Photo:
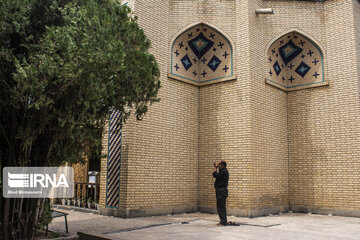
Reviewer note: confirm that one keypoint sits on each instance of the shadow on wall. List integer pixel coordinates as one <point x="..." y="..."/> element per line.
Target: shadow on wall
<point x="307" y="158"/>
<point x="209" y="142"/>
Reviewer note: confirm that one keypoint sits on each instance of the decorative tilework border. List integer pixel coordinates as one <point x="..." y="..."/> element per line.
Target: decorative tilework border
<point x="113" y="161"/>
<point x="187" y="27"/>
<point x="201" y="83"/>
<point x="295" y="88"/>
<point x="296" y="30"/>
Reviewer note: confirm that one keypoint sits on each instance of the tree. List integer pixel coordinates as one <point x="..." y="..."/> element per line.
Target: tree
<point x="63" y="65"/>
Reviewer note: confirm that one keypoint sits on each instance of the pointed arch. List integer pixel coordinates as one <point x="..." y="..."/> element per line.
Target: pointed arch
<point x="201" y="55"/>
<point x="295" y="61"/>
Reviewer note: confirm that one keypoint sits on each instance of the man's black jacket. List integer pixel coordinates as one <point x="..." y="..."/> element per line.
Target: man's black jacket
<point x="222" y="178"/>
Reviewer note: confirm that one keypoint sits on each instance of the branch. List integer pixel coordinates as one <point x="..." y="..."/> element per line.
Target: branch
<point x="4" y="133"/>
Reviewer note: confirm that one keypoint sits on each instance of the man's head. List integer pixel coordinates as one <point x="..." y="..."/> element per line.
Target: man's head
<point x="222" y="164"/>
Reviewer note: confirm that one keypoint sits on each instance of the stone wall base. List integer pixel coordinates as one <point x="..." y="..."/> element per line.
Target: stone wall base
<point x="325" y="211"/>
<point x="247" y="213"/>
<point x="130" y="213"/>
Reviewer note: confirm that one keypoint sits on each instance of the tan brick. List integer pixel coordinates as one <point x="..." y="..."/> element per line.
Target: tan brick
<point x="299" y="148"/>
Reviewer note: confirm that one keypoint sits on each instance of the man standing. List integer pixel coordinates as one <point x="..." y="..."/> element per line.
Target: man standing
<point x="221" y="184"/>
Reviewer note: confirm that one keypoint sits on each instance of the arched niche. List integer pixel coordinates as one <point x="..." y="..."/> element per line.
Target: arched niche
<point x="295" y="62"/>
<point x="201" y="55"/>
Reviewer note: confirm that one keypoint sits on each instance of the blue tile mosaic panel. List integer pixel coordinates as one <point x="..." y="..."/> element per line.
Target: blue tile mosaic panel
<point x="294" y="61"/>
<point x="201" y="55"/>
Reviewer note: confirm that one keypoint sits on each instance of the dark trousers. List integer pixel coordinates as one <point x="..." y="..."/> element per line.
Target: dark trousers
<point x="221" y="195"/>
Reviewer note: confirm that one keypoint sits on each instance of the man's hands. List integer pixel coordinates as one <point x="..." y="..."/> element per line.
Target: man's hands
<point x="215" y="166"/>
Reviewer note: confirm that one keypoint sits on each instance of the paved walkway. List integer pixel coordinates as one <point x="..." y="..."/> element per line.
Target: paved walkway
<point x="192" y="226"/>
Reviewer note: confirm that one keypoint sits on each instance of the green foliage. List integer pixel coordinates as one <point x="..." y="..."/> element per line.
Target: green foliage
<point x="63" y="65"/>
<point x="45" y="217"/>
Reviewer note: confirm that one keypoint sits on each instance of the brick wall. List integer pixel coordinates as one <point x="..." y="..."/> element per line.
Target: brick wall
<point x="308" y="19"/>
<point x="324" y="124"/>
<point x="298" y="149"/>
<point x="237" y="122"/>
<point x="220" y="116"/>
<point x="103" y="167"/>
<point x="269" y="149"/>
<point x="160" y="152"/>
<point x="356" y="11"/>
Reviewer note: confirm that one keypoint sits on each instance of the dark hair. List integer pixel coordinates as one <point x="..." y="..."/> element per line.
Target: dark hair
<point x="223" y="163"/>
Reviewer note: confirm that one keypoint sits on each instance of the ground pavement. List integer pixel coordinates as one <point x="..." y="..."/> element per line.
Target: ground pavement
<point x="289" y="226"/>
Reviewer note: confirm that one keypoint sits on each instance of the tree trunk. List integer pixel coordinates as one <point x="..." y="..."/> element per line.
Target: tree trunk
<point x="5" y="221"/>
<point x="23" y="224"/>
<point x="35" y="218"/>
